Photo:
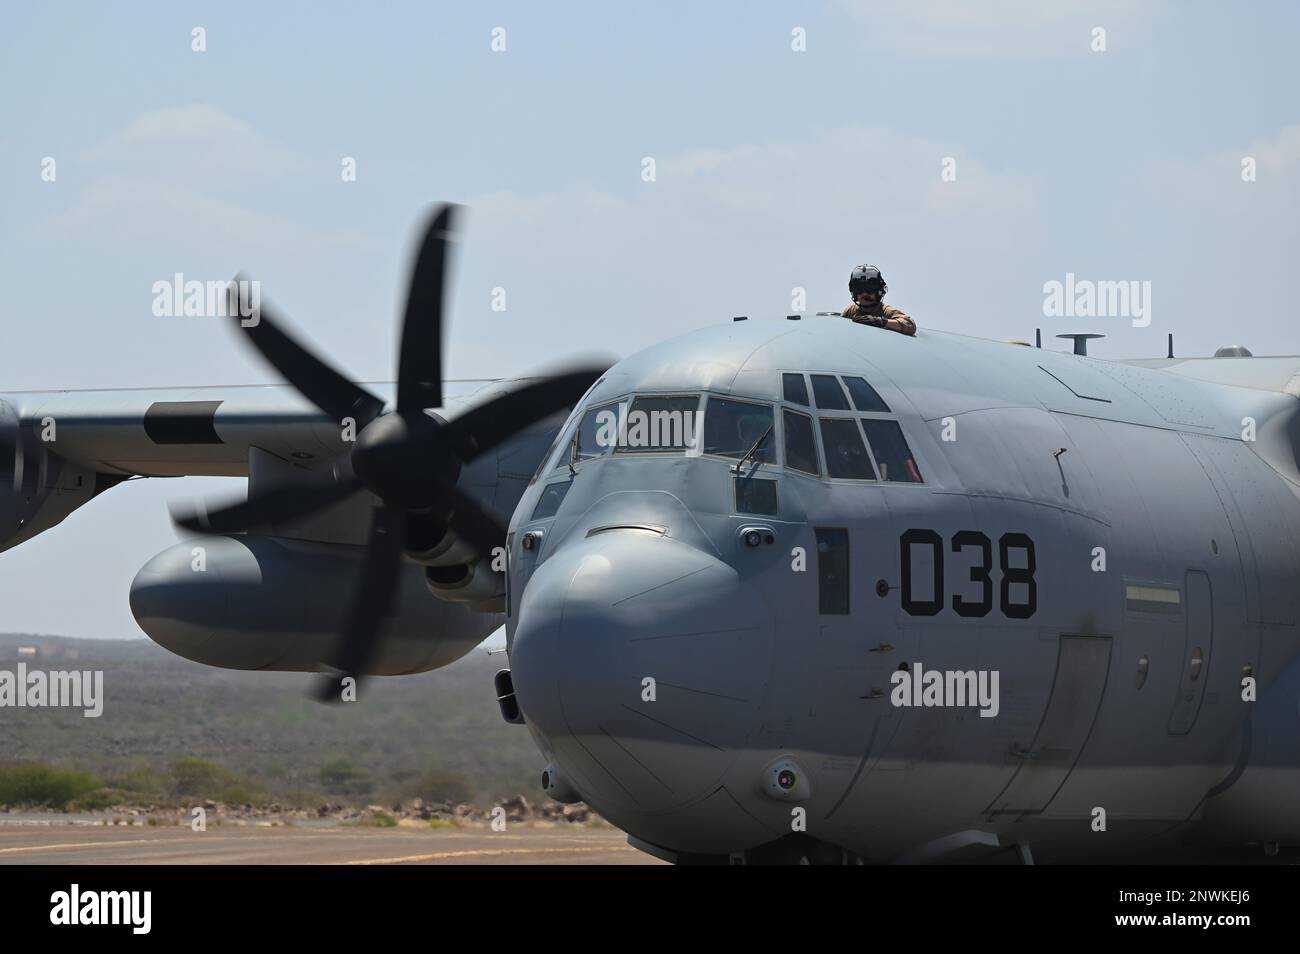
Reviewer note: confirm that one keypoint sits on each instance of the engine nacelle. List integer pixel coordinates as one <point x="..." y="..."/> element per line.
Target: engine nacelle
<point x="37" y="488"/>
<point x="252" y="602"/>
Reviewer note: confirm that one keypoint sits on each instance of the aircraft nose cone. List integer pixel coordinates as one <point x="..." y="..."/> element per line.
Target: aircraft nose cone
<point x="643" y="663"/>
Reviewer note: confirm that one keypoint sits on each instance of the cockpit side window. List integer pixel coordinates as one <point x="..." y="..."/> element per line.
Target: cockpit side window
<point x="734" y="428"/>
<point x="563" y="436"/>
<point x="800" y="446"/>
<point x="864" y="395"/>
<point x="596" y="433"/>
<point x="552" y="456"/>
<point x="846" y="454"/>
<point x="829" y="394"/>
<point x="893" y="456"/>
<point x="552" y="496"/>
<point x="794" y="388"/>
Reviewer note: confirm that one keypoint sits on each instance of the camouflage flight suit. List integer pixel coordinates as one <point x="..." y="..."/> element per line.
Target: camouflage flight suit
<point x="878" y="314"/>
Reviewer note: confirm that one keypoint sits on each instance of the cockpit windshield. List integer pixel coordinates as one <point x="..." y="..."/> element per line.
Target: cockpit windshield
<point x="648" y="424"/>
<point x="660" y="424"/>
<point x="737" y="428"/>
<point x="848" y="432"/>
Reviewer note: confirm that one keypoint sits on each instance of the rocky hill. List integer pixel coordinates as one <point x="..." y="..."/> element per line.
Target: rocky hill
<point x="172" y="729"/>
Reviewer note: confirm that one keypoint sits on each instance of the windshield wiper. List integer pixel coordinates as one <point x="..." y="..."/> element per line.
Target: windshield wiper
<point x="754" y="450"/>
<point x="573" y="451"/>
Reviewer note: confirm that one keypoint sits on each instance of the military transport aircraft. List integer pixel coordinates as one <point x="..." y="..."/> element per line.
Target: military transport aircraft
<point x="777" y="590"/>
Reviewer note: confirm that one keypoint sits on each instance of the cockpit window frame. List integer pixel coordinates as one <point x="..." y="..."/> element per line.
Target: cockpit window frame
<point x="872" y="395"/>
<point x="882" y="473"/>
<point x="778" y="446"/>
<point x="778" y="407"/>
<point x="871" y="458"/>
<point x="813" y="377"/>
<point x="802" y="381"/>
<point x="564" y="434"/>
<point x="596" y="409"/>
<point x="819" y="414"/>
<point x="814" y="429"/>
<point x="687" y="451"/>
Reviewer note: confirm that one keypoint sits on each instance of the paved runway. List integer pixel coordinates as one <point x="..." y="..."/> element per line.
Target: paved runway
<point x="77" y="844"/>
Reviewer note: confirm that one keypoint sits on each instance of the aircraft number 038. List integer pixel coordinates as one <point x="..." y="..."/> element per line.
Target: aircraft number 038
<point x="979" y="573"/>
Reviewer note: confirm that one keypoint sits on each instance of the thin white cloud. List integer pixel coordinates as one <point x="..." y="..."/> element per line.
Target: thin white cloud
<point x="1002" y="28"/>
<point x="1215" y="182"/>
<point x="195" y="123"/>
<point x="143" y="186"/>
<point x="849" y="174"/>
<point x="183" y="137"/>
<point x="144" y="209"/>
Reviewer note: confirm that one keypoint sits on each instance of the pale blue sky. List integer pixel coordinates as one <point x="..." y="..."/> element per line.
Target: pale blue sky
<point x="776" y="169"/>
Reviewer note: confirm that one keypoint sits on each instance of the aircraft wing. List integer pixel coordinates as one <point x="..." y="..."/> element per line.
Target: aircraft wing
<point x="59" y="449"/>
<point x="205" y="431"/>
<point x="1280" y="373"/>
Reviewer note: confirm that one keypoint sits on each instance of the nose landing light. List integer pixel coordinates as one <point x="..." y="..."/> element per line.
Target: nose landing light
<point x="785" y="780"/>
<point x="757" y="536"/>
<point x="557" y="786"/>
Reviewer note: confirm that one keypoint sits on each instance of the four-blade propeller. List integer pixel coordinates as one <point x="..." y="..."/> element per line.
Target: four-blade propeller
<point x="407" y="458"/>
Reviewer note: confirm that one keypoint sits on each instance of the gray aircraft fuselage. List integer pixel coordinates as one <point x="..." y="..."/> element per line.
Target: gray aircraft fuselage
<point x="1118" y="544"/>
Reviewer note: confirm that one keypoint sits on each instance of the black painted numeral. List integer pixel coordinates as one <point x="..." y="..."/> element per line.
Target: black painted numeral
<point x="913" y="606"/>
<point x="1011" y="574"/>
<point x="978" y="574"/>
